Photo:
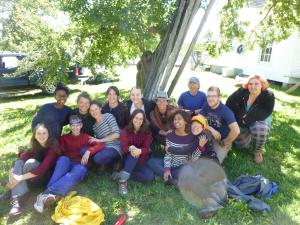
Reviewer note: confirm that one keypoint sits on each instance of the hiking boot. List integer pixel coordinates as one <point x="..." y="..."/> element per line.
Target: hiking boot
<point x="123" y="187"/>
<point x="15" y="207"/>
<point x="258" y="156"/>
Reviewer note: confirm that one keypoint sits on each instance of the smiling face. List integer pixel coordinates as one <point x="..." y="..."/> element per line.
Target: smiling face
<point x="196" y="128"/>
<point x="136" y="96"/>
<point x="61" y="97"/>
<point x="112" y="97"/>
<point x="213" y="99"/>
<point x="41" y="135"/>
<point x="179" y="122"/>
<point x="193" y="88"/>
<point x="138" y="121"/>
<point x="162" y="105"/>
<point x="95" y="111"/>
<point x="254" y="86"/>
<point x="75" y="128"/>
<point x="83" y="105"/>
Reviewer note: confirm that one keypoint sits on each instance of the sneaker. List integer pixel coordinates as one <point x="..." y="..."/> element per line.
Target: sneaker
<point x="15" y="207"/>
<point x="50" y="200"/>
<point x="44" y="200"/>
<point x="123" y="187"/>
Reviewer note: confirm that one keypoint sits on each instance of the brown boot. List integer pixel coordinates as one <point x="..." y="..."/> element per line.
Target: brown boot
<point x="258" y="156"/>
<point x="15" y="207"/>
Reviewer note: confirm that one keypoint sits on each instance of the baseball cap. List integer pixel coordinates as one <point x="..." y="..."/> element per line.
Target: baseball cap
<point x="194" y="80"/>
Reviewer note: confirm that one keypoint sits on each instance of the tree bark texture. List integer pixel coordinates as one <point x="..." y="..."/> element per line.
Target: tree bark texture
<point x="191" y="46"/>
<point x="165" y="55"/>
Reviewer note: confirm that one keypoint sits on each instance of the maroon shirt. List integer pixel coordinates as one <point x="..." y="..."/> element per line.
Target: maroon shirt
<point x="139" y="140"/>
<point x="47" y="163"/>
<point x="72" y="144"/>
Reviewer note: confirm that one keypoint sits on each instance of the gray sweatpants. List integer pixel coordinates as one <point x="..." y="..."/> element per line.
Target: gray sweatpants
<point x="221" y="151"/>
<point x="23" y="167"/>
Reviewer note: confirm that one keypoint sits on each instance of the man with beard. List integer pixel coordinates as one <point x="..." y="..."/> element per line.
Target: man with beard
<point x="221" y="123"/>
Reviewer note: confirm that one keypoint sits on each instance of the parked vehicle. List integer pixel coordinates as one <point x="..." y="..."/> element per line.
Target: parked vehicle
<point x="9" y="62"/>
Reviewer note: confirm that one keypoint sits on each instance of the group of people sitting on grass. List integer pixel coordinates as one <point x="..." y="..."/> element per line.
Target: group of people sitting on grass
<point x="128" y="136"/>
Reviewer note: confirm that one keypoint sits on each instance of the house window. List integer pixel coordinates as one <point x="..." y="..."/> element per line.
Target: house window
<point x="266" y="54"/>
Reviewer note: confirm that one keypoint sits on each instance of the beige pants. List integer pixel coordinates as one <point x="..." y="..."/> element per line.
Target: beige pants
<point x="221" y="151"/>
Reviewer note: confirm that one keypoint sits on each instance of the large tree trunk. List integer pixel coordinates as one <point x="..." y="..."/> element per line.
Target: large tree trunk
<point x="167" y="51"/>
<point x="191" y="46"/>
<point x="143" y="68"/>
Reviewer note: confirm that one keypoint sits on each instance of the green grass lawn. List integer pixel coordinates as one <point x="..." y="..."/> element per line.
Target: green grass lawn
<point x="158" y="204"/>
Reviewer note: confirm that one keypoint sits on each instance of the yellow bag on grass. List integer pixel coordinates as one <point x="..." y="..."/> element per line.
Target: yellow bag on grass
<point x="77" y="210"/>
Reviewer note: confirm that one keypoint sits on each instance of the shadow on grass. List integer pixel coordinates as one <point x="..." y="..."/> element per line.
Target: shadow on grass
<point x="278" y="88"/>
<point x="281" y="164"/>
<point x="19" y="117"/>
<point x="30" y="96"/>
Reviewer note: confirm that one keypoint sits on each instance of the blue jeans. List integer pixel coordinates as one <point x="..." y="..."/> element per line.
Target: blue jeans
<point x="157" y="166"/>
<point x="106" y="156"/>
<point x="65" y="176"/>
<point x="137" y="172"/>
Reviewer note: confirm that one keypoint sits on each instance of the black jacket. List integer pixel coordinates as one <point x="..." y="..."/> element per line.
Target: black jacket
<point x="120" y="113"/>
<point x="261" y="108"/>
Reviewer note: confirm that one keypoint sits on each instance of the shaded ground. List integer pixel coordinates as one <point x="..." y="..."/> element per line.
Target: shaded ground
<point x="155" y="203"/>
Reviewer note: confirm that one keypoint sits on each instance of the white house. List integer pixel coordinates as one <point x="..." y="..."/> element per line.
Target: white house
<point x="278" y="62"/>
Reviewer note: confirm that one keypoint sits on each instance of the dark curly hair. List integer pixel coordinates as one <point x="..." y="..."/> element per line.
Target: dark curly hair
<point x="186" y="117"/>
<point x="61" y="87"/>
<point x="145" y="125"/>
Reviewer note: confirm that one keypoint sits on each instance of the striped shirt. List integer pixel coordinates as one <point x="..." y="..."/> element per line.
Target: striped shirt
<point x="173" y="140"/>
<point x="106" y="127"/>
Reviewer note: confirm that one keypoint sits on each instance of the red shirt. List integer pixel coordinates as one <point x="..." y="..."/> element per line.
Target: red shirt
<point x="139" y="140"/>
<point x="47" y="163"/>
<point x="72" y="144"/>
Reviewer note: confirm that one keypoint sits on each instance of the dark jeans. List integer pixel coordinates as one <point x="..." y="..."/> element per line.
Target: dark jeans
<point x="141" y="173"/>
<point x="106" y="156"/>
<point x="157" y="166"/>
<point x="65" y="176"/>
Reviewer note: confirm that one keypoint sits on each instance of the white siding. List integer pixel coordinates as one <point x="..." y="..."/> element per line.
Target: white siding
<point x="295" y="68"/>
<point x="285" y="60"/>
